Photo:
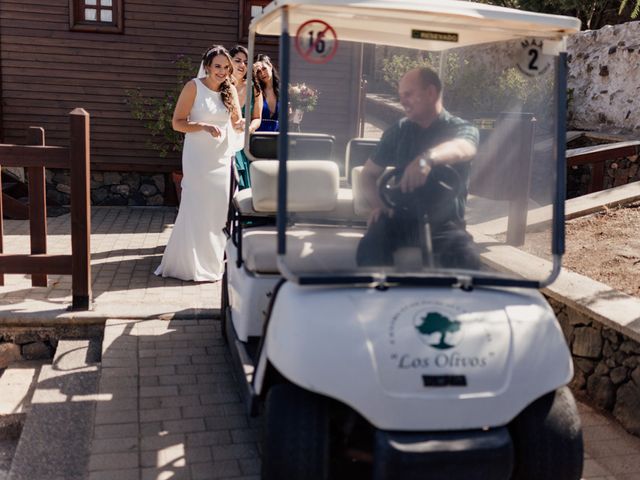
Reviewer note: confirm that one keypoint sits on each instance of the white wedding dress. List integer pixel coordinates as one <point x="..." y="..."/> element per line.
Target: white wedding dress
<point x="196" y="247"/>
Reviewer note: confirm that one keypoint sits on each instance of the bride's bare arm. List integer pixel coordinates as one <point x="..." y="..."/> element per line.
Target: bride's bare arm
<point x="180" y="121"/>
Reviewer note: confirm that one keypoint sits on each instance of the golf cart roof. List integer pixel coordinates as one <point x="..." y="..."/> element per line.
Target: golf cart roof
<point x="395" y="22"/>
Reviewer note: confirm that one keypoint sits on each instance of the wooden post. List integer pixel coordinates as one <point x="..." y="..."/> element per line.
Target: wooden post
<point x="37" y="205"/>
<point x="80" y="210"/>
<point x="1" y="227"/>
<point x="597" y="177"/>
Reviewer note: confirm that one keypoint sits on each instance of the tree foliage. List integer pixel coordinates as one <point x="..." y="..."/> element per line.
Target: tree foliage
<point x="593" y="13"/>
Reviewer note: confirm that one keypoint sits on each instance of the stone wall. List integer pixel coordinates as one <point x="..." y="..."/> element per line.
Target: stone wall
<point x="604" y="68"/>
<point x="607" y="365"/>
<point x="19" y="343"/>
<point x="25" y="346"/>
<point x="110" y="188"/>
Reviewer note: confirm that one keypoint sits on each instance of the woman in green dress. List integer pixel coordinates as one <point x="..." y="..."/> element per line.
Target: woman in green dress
<point x="240" y="59"/>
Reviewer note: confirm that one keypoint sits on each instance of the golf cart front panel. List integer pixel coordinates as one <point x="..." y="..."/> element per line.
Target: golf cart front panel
<point x="471" y="358"/>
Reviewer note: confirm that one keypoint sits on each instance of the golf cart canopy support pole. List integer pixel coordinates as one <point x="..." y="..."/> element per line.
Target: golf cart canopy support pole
<point x="283" y="137"/>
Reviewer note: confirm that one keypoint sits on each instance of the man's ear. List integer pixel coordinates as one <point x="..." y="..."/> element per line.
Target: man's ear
<point x="432" y="92"/>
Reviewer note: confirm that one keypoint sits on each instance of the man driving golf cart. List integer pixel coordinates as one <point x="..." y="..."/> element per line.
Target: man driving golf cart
<point x="431" y="151"/>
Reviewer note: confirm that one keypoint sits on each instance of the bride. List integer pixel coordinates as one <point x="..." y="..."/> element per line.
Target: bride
<point x="208" y="112"/>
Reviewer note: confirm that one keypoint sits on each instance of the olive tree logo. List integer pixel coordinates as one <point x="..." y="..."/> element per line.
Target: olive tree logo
<point x="438" y="331"/>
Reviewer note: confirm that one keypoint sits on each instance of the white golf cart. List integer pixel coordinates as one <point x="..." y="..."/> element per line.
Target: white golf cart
<point x="427" y="365"/>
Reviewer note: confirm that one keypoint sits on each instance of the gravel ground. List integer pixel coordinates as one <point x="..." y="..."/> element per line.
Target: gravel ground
<point x="604" y="246"/>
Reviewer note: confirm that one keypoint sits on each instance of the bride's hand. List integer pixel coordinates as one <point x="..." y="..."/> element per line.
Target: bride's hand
<point x="212" y="129"/>
<point x="238" y="126"/>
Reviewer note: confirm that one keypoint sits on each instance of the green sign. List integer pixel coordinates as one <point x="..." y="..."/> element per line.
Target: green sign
<point x="435" y="36"/>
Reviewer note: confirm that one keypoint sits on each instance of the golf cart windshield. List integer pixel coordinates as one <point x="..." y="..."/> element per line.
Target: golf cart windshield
<point x="421" y="140"/>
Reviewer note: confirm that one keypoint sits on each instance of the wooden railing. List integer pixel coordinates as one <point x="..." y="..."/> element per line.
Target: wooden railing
<point x="597" y="156"/>
<point x="35" y="157"/>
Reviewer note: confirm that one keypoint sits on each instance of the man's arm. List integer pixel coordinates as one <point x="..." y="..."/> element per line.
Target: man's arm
<point x="369" y="178"/>
<point x="448" y="153"/>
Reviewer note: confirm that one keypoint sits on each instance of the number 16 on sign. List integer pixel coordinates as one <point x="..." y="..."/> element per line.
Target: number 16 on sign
<point x="316" y="41"/>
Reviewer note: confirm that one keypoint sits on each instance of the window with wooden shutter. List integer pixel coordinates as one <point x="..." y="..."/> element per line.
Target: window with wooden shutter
<point x="248" y="10"/>
<point x="96" y="15"/>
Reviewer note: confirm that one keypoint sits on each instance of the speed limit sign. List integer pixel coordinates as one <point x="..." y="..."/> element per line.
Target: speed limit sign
<point x="316" y="41"/>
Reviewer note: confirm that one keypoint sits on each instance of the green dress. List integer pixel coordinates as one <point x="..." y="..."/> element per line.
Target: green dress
<point x="242" y="163"/>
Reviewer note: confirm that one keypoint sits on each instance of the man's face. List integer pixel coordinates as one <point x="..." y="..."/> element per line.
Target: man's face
<point x="418" y="101"/>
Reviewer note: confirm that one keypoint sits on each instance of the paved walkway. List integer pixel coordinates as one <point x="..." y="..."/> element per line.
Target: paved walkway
<point x="126" y="246"/>
<point x="170" y="409"/>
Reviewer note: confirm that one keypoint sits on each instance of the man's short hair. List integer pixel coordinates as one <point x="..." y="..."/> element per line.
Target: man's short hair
<point x="430" y="77"/>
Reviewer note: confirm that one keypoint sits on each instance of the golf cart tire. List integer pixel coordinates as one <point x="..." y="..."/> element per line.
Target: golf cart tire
<point x="296" y="435"/>
<point x="547" y="437"/>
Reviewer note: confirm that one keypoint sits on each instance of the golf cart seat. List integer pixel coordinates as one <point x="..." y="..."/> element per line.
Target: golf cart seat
<point x="359" y="150"/>
<point x="263" y="173"/>
<point x="309" y="249"/>
<point x="312" y="189"/>
<point x="343" y="211"/>
<point x="302" y="146"/>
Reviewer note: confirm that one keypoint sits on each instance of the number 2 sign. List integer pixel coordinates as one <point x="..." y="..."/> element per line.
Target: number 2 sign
<point x="316" y="41"/>
<point x="532" y="61"/>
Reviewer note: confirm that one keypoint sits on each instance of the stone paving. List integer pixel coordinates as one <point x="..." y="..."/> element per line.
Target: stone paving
<point x="126" y="247"/>
<point x="169" y="407"/>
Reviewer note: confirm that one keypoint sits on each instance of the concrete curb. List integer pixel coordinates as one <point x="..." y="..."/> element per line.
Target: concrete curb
<point x="63" y="317"/>
<point x="56" y="438"/>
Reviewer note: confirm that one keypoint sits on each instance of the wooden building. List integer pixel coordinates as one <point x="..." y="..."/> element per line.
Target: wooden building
<point x="56" y="55"/>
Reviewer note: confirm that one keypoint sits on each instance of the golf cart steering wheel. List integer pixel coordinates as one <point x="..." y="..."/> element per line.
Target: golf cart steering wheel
<point x="443" y="183"/>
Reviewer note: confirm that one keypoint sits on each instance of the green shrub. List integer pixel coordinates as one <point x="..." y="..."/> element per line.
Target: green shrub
<point x="156" y="113"/>
<point x="395" y="67"/>
<point x="478" y="88"/>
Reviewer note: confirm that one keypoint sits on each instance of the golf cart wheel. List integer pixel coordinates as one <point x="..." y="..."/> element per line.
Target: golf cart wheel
<point x="296" y="435"/>
<point x="224" y="306"/>
<point x="547" y="438"/>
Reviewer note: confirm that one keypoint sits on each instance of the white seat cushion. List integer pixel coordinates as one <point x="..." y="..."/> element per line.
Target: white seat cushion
<point x="343" y="210"/>
<point x="360" y="203"/>
<point x="312" y="185"/>
<point x="309" y="249"/>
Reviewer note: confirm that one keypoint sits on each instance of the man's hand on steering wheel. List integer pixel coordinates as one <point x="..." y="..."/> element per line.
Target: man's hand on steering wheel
<point x="415" y="176"/>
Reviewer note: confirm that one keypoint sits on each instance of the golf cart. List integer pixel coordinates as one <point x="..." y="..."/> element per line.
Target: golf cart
<point x="425" y="366"/>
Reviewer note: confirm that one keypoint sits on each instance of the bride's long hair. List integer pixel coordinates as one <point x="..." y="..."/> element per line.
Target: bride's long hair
<point x="225" y="87"/>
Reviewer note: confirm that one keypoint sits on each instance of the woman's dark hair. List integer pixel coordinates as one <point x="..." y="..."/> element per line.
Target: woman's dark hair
<point x="256" y="85"/>
<point x="225" y="87"/>
<point x="261" y="57"/>
<point x="239" y="49"/>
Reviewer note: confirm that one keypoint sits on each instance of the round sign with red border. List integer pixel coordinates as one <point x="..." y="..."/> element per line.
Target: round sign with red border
<point x="316" y="41"/>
